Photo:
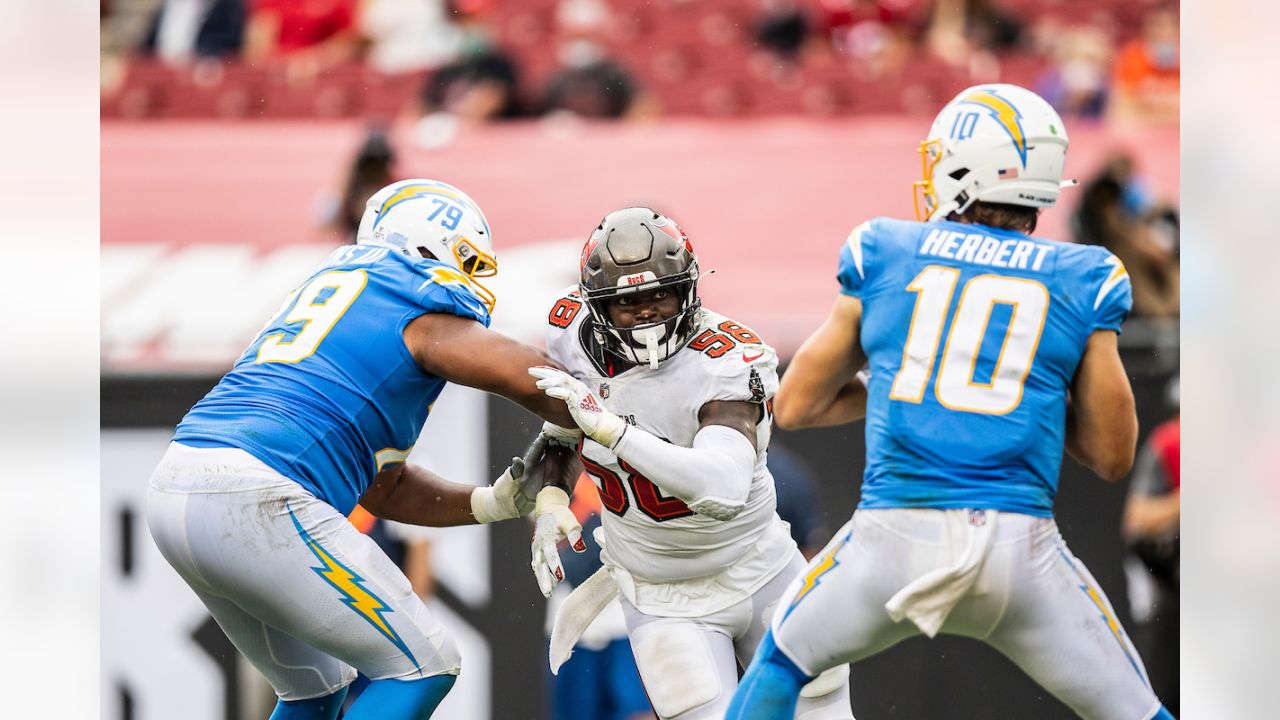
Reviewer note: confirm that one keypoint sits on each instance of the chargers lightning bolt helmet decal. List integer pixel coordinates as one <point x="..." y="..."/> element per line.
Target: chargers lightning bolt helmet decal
<point x="1005" y="114"/>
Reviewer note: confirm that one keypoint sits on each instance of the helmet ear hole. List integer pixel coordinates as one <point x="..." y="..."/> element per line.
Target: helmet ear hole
<point x="959" y="174"/>
<point x="424" y="252"/>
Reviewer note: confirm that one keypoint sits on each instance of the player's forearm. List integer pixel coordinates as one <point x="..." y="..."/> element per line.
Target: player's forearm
<point x="848" y="405"/>
<point x="420" y="497"/>
<point x="816" y="389"/>
<point x="1103" y="442"/>
<point x="713" y="477"/>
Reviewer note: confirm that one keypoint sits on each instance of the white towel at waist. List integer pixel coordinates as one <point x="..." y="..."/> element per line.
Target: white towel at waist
<point x="928" y="599"/>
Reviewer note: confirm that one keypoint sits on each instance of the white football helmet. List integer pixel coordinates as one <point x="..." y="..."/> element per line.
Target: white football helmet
<point x="421" y="216"/>
<point x="995" y="143"/>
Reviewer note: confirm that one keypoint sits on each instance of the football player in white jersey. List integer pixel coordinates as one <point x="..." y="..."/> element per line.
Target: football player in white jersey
<point x="672" y="401"/>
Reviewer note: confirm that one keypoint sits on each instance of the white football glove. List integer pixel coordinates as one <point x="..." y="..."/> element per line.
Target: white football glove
<point x="597" y="423"/>
<point x="512" y="495"/>
<point x="554" y="521"/>
<point x="565" y="437"/>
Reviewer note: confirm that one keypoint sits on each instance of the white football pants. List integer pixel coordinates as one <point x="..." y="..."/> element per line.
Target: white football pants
<point x="690" y="665"/>
<point x="1032" y="600"/>
<point x="298" y="590"/>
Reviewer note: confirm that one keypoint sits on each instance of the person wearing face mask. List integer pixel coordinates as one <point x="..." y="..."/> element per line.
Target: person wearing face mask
<point x="1147" y="71"/>
<point x="588" y="82"/>
<point x="672" y="410"/>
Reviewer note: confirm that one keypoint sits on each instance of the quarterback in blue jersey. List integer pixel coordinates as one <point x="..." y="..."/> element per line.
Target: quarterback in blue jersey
<point x="988" y="353"/>
<point x="319" y="413"/>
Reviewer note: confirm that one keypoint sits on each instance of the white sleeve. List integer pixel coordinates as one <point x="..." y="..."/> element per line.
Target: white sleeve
<point x="713" y="477"/>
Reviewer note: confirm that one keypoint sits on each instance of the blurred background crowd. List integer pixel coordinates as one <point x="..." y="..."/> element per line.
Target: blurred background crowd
<point x="441" y="64"/>
<point x="501" y="59"/>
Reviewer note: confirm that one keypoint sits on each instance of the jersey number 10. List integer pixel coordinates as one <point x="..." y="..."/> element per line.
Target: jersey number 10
<point x="956" y="388"/>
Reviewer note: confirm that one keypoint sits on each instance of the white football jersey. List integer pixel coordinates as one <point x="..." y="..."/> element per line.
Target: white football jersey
<point x="651" y="535"/>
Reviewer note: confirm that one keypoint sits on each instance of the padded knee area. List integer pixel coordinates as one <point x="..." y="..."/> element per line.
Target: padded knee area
<point x="321" y="708"/>
<point x="401" y="699"/>
<point x="677" y="666"/>
<point x="826" y="683"/>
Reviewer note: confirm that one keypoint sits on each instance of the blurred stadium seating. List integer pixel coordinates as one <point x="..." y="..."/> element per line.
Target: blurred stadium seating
<point x="698" y="57"/>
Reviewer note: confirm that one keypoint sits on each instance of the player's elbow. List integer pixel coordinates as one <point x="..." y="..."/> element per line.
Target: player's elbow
<point x="788" y="414"/>
<point x="718" y="508"/>
<point x="1114" y="458"/>
<point x="1114" y="469"/>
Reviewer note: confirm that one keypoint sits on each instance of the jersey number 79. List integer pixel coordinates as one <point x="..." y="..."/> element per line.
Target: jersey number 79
<point x="956" y="388"/>
<point x="318" y="310"/>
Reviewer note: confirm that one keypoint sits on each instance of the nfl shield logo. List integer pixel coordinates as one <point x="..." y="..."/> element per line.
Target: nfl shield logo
<point x="604" y="391"/>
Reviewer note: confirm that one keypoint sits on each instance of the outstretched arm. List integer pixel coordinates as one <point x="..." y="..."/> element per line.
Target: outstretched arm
<point x="461" y="350"/>
<point x="714" y="476"/>
<point x="1102" y="424"/>
<point x="820" y="386"/>
<point x="411" y="494"/>
<point x="414" y="495"/>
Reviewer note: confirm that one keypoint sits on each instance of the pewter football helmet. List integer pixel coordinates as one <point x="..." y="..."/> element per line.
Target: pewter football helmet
<point x="636" y="250"/>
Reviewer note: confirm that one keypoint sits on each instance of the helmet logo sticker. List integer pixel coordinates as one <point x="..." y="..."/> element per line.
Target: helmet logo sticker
<point x="637" y="279"/>
<point x="1006" y="114"/>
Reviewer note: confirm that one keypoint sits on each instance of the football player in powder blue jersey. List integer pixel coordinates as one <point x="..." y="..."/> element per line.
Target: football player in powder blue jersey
<point x="988" y="353"/>
<point x="319" y="413"/>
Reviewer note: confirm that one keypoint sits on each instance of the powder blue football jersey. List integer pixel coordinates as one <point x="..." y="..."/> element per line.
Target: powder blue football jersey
<point x="973" y="335"/>
<point x="328" y="393"/>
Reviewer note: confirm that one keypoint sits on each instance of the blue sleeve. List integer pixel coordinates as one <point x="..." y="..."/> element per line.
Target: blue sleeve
<point x="852" y="272"/>
<point x="445" y="290"/>
<point x="1114" y="297"/>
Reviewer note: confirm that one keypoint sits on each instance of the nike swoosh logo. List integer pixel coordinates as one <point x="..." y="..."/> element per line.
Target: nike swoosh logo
<point x="751" y="358"/>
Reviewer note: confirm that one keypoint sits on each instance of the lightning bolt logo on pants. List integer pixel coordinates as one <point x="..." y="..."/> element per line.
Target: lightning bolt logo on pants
<point x="814" y="576"/>
<point x="356" y="596"/>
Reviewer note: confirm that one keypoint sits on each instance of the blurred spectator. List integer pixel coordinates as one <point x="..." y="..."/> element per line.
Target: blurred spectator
<point x="876" y="34"/>
<point x="968" y="32"/>
<point x="409" y="35"/>
<point x="588" y="83"/>
<point x="600" y="680"/>
<point x="1147" y="70"/>
<point x="185" y="29"/>
<point x="1117" y="213"/>
<point x="372" y="169"/>
<point x="481" y="86"/>
<point x="309" y="35"/>
<point x="989" y="26"/>
<point x="1075" y="84"/>
<point x="794" y="483"/>
<point x="783" y="29"/>
<point x="1151" y="530"/>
